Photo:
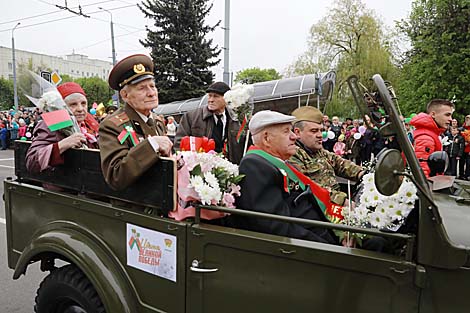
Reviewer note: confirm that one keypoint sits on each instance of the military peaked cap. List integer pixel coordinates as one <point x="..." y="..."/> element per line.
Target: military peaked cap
<point x="131" y="70"/>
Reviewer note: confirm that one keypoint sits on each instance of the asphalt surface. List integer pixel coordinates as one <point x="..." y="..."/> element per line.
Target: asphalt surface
<point x="16" y="296"/>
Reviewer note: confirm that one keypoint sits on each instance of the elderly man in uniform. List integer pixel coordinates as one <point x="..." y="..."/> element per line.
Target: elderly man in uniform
<point x="214" y="121"/>
<point x="272" y="186"/>
<point x="318" y="164"/>
<point x="131" y="141"/>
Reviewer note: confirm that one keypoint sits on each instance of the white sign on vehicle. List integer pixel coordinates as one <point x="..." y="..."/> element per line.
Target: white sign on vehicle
<point x="151" y="251"/>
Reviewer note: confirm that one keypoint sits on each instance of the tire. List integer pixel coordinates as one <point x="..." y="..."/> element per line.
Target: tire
<point x="67" y="290"/>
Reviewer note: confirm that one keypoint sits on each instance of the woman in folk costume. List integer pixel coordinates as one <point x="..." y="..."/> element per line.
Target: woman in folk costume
<point x="48" y="146"/>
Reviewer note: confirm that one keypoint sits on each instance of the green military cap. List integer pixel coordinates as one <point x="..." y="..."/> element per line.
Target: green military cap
<point x="309" y="114"/>
<point x="131" y="70"/>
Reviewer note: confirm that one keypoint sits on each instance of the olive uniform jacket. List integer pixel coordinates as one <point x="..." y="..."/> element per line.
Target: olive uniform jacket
<point x="322" y="167"/>
<point x="200" y="123"/>
<point x="122" y="164"/>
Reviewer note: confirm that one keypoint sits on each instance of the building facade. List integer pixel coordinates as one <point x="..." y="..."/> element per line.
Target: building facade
<point x="74" y="65"/>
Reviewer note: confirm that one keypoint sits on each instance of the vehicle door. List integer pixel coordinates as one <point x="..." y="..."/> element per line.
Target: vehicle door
<point x="231" y="270"/>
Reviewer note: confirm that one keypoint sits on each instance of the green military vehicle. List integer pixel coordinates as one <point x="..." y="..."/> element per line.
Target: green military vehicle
<point x="122" y="258"/>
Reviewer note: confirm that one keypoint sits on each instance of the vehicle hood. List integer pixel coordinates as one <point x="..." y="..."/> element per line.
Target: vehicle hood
<point x="455" y="215"/>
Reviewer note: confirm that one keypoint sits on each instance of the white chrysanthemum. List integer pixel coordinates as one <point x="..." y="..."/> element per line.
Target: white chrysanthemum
<point x="211" y="180"/>
<point x="205" y="192"/>
<point x="228" y="166"/>
<point x="400" y="212"/>
<point x="368" y="179"/>
<point x="196" y="182"/>
<point x="216" y="196"/>
<point x="359" y="216"/>
<point x="379" y="220"/>
<point x="238" y="95"/>
<point x="408" y="192"/>
<point x="370" y="197"/>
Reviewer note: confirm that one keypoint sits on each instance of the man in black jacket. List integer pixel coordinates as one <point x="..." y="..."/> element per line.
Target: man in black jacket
<point x="214" y="121"/>
<point x="271" y="186"/>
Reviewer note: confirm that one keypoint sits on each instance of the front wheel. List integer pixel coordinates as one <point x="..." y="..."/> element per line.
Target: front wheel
<point x="67" y="290"/>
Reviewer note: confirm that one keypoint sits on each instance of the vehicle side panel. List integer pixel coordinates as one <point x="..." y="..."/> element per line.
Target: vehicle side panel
<point x="264" y="273"/>
<point x="30" y="208"/>
<point x="446" y="291"/>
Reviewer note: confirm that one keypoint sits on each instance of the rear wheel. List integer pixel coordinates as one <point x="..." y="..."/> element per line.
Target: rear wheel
<point x="67" y="290"/>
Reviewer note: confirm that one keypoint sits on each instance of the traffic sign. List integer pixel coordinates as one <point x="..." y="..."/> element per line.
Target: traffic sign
<point x="46" y="75"/>
<point x="55" y="78"/>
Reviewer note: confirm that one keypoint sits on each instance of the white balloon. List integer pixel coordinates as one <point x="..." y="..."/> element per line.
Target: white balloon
<point x="357" y="136"/>
<point x="331" y="135"/>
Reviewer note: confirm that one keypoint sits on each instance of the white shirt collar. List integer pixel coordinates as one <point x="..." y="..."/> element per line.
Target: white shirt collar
<point x="143" y="117"/>
<point x="224" y="118"/>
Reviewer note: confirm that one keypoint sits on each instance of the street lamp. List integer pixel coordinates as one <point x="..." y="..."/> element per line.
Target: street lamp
<point x="112" y="46"/>
<point x="15" y="89"/>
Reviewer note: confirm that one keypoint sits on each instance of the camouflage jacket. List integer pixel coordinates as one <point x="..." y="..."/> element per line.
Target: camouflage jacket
<point x="322" y="167"/>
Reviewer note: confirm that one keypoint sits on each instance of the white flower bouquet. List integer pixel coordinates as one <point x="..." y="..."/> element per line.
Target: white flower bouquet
<point x="52" y="101"/>
<point x="379" y="211"/>
<point x="207" y="178"/>
<point x="238" y="99"/>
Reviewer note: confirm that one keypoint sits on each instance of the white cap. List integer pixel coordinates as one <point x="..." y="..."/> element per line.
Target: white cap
<point x="262" y="119"/>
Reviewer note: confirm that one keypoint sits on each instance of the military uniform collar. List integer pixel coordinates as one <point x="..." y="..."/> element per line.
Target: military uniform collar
<point x="309" y="151"/>
<point x="143" y="117"/>
<point x="138" y="120"/>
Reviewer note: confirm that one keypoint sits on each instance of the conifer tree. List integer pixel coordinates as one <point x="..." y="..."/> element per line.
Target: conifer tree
<point x="180" y="50"/>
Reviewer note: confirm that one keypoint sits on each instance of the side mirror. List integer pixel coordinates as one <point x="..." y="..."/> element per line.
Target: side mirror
<point x="386" y="181"/>
<point x="438" y="162"/>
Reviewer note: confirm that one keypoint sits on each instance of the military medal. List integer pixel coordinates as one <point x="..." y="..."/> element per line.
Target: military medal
<point x="284" y="174"/>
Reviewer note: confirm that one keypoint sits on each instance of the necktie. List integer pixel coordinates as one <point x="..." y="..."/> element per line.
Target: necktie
<point x="218" y="132"/>
<point x="151" y="122"/>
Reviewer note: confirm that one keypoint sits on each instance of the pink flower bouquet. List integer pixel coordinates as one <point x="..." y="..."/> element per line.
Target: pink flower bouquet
<point x="205" y="178"/>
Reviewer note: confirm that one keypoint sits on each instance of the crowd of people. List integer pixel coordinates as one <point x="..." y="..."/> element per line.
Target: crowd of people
<point x="17" y="125"/>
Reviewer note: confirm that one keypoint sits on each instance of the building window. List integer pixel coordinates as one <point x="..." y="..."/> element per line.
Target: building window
<point x="10" y="66"/>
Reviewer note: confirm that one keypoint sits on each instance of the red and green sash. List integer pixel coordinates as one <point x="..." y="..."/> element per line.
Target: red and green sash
<point x="332" y="211"/>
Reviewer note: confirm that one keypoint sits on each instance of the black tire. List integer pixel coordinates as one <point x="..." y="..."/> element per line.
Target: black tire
<point x="67" y="290"/>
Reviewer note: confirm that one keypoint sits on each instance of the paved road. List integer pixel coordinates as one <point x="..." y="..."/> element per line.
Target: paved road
<point x="16" y="296"/>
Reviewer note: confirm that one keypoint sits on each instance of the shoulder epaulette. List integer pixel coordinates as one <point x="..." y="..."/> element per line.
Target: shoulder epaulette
<point x="120" y="119"/>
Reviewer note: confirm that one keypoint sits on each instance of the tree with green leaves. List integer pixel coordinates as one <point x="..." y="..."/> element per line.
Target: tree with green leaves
<point x="351" y="40"/>
<point x="180" y="50"/>
<point x="256" y="75"/>
<point x="6" y="94"/>
<point x="438" y="63"/>
<point x="96" y="89"/>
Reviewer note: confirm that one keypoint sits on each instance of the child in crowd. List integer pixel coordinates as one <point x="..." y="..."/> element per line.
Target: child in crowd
<point x="339" y="147"/>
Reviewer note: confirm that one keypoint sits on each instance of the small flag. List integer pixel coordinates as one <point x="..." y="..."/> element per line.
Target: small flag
<point x="56" y="120"/>
<point x="242" y="129"/>
<point x="128" y="131"/>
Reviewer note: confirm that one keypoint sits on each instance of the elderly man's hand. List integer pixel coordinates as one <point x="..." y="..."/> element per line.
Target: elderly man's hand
<point x="164" y="144"/>
<point x="75" y="140"/>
